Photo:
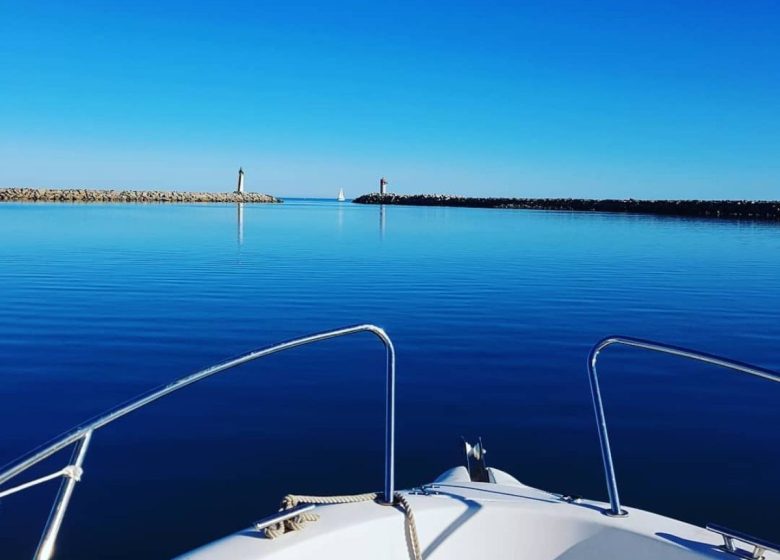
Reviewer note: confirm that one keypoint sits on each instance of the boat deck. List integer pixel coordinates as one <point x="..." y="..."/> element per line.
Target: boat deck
<point x="458" y="519"/>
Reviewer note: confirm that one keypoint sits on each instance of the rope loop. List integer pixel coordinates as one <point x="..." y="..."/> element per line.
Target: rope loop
<point x="296" y="523"/>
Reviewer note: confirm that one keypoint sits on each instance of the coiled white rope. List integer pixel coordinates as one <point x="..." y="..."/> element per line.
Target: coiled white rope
<point x="296" y="523"/>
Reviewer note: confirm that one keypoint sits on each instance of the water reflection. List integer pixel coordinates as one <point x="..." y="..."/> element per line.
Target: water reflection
<point x="382" y="221"/>
<point x="240" y="220"/>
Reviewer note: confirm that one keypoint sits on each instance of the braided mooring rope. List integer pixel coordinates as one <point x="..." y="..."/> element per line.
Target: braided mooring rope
<point x="296" y="523"/>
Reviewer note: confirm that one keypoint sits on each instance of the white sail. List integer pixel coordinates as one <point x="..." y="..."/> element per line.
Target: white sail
<point x="341" y="196"/>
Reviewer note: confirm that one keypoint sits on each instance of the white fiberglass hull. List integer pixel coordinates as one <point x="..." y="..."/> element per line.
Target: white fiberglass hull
<point x="456" y="518"/>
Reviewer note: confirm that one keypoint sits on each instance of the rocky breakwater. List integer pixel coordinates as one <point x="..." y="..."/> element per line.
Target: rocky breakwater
<point x="734" y="209"/>
<point x="93" y="195"/>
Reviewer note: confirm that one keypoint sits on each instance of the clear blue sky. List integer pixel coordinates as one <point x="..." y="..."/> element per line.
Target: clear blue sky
<point x="604" y="99"/>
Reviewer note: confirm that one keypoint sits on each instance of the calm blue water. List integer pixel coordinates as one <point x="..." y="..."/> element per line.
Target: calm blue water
<point x="492" y="313"/>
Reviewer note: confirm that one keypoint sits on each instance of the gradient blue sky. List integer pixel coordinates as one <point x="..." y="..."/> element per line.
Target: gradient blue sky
<point x="649" y="99"/>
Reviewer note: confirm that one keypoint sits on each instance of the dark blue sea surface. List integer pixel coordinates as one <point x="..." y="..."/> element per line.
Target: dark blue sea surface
<point x="492" y="313"/>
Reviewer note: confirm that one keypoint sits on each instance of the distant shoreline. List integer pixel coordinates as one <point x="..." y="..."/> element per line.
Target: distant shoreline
<point x="23" y="194"/>
<point x="733" y="209"/>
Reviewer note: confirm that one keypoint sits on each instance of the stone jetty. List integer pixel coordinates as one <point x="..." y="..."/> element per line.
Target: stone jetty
<point x="94" y="195"/>
<point x="734" y="209"/>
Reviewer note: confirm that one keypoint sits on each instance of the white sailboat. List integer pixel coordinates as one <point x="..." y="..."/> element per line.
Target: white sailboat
<point x="341" y="197"/>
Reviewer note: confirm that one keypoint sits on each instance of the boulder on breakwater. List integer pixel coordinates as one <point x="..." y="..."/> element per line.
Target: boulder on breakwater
<point x="735" y="209"/>
<point x="21" y="194"/>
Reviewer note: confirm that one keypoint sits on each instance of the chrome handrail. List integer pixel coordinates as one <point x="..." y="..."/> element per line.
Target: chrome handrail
<point x="606" y="454"/>
<point x="82" y="434"/>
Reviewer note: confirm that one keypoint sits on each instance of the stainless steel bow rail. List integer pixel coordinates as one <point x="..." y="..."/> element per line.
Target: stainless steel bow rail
<point x="606" y="454"/>
<point x="81" y="435"/>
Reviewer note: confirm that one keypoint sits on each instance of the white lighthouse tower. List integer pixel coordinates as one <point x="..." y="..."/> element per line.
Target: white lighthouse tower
<point x="240" y="188"/>
<point x="383" y="186"/>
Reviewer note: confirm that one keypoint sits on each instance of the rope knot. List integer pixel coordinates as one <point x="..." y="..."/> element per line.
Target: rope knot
<point x="73" y="471"/>
<point x="296" y="523"/>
